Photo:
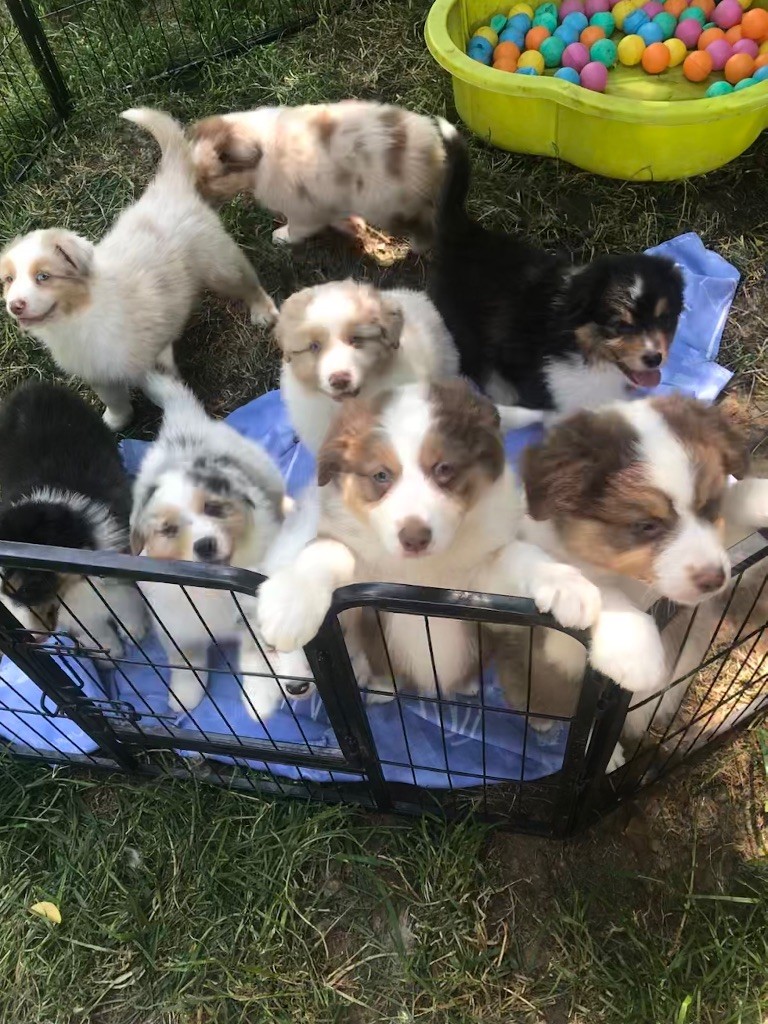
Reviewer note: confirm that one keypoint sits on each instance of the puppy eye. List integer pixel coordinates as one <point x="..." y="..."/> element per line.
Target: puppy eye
<point x="41" y="277"/>
<point x="313" y="346"/>
<point x="356" y="342"/>
<point x="710" y="510"/>
<point x="8" y="279"/>
<point x="649" y="529"/>
<point x="214" y="509"/>
<point x="383" y="479"/>
<point x="169" y="530"/>
<point x="443" y="473"/>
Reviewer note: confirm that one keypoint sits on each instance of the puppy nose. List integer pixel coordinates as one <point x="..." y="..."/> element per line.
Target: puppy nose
<point x="296" y="689"/>
<point x="652" y="360"/>
<point x="17" y="306"/>
<point x="709" y="580"/>
<point x="414" y="535"/>
<point x="205" y="549"/>
<point x="339" y="381"/>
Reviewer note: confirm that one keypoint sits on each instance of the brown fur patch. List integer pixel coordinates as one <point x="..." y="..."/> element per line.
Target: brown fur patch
<point x="354" y="449"/>
<point x="395" y="123"/>
<point x="518" y="658"/>
<point x="7" y="269"/>
<point x="65" y="286"/>
<point x="226" y="156"/>
<point x="713" y="435"/>
<point x="154" y="538"/>
<point x="626" y="351"/>
<point x="325" y="125"/>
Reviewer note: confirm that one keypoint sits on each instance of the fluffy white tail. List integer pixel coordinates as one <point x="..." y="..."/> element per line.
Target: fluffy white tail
<point x="515" y="417"/>
<point x="170" y="394"/>
<point x="169" y="135"/>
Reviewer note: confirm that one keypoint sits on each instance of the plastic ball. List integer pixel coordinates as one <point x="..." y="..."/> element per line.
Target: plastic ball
<point x="548" y="8"/>
<point x="677" y="51"/>
<point x="709" y="35"/>
<point x="569" y="6"/>
<point x="521" y="9"/>
<point x="486" y="32"/>
<point x="718" y="89"/>
<point x="667" y="23"/>
<point x="621" y="11"/>
<point x="693" y="14"/>
<point x="655" y="58"/>
<point x="707" y="6"/>
<point x="744" y="84"/>
<point x="505" y="64"/>
<point x="594" y="76"/>
<point x="675" y="7"/>
<point x="605" y="21"/>
<point x="652" y="8"/>
<point x="519" y="22"/>
<point x="689" y="31"/>
<point x="480" y="49"/>
<point x="634" y="21"/>
<point x="761" y="74"/>
<point x="576" y="20"/>
<point x="575" y="56"/>
<point x="547" y="21"/>
<point x="739" y="66"/>
<point x="697" y="66"/>
<point x="746" y="46"/>
<point x="764" y="48"/>
<point x="744" y="4"/>
<point x="568" y="75"/>
<point x="650" y="33"/>
<point x="532" y="59"/>
<point x="567" y="34"/>
<point x="552" y="51"/>
<point x="762" y="61"/>
<point x="590" y="35"/>
<point x="511" y="35"/>
<point x="498" y="23"/>
<point x="727" y="13"/>
<point x="630" y="50"/>
<point x="535" y="36"/>
<point x="604" y="52"/>
<point x="593" y="7"/>
<point x="733" y="35"/>
<point x="507" y="49"/>
<point x="719" y="51"/>
<point x="526" y="71"/>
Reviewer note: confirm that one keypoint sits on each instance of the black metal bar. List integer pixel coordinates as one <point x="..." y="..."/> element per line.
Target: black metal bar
<point x="610" y="715"/>
<point x="31" y="31"/>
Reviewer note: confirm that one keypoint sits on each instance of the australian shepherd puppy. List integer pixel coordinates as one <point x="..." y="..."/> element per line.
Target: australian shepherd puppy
<point x="319" y="165"/>
<point x="637" y="496"/>
<point x="203" y="494"/>
<point x="110" y="312"/>
<point x="63" y="485"/>
<point x="533" y="330"/>
<point x="414" y="488"/>
<point x="345" y="338"/>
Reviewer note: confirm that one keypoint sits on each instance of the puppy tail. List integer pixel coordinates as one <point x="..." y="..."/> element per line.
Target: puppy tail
<point x="515" y="417"/>
<point x="169" y="135"/>
<point x="451" y="206"/>
<point x="170" y="394"/>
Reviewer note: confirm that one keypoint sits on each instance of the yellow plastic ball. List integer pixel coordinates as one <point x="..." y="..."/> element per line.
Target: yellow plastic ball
<point x="677" y="51"/>
<point x="487" y="33"/>
<point x="630" y="50"/>
<point x="763" y="48"/>
<point x="744" y="4"/>
<point x="622" y="10"/>
<point x="532" y="59"/>
<point x="520" y="9"/>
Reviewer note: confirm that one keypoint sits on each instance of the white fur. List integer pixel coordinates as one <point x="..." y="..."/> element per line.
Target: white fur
<point x="143" y="279"/>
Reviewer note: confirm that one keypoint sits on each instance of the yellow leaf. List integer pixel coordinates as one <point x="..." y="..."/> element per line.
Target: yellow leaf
<point x="47" y="910"/>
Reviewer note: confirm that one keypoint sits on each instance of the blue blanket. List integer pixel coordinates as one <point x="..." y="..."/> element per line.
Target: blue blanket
<point x="417" y="741"/>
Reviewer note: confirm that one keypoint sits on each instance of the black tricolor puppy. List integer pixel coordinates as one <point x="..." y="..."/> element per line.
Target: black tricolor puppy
<point x="62" y="483"/>
<point x="535" y="331"/>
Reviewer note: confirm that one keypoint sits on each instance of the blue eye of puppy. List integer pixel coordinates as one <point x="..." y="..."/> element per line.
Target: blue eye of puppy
<point x="313" y="346"/>
<point x="443" y="473"/>
<point x="41" y="277"/>
<point x="381" y="476"/>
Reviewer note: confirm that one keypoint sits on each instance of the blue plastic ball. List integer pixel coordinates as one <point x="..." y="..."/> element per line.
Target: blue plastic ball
<point x="511" y="35"/>
<point x="568" y="75"/>
<point x="526" y="71"/>
<point x="634" y="21"/>
<point x="567" y="34"/>
<point x="650" y="33"/>
<point x="576" y="20"/>
<point x="761" y="75"/>
<point x="480" y="49"/>
<point x="519" y="22"/>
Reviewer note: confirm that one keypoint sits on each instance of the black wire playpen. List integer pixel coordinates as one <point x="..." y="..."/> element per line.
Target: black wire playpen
<point x="77" y="699"/>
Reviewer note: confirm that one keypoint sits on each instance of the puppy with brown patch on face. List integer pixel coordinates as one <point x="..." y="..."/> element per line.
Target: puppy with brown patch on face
<point x="346" y="338"/>
<point x="638" y="496"/>
<point x="414" y="488"/>
<point x="203" y="494"/>
<point x="110" y="312"/>
<point x="319" y="165"/>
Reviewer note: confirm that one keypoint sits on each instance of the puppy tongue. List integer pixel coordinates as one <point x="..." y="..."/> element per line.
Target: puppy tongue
<point x="646" y="378"/>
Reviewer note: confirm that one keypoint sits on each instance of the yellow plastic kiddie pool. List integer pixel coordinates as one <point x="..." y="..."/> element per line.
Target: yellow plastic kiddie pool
<point x="642" y="128"/>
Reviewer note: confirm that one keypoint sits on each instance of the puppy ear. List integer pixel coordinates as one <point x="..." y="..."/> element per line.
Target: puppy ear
<point x="730" y="430"/>
<point x="350" y="425"/>
<point x="74" y="254"/>
<point x="138" y="539"/>
<point x="391" y="320"/>
<point x="234" y="149"/>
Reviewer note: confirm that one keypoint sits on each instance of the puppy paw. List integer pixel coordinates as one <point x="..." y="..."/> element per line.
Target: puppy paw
<point x="290" y="611"/>
<point x="117" y="419"/>
<point x="261" y="697"/>
<point x="264" y="312"/>
<point x="629" y="651"/>
<point x="568" y="595"/>
<point x="281" y="236"/>
<point x="185" y="693"/>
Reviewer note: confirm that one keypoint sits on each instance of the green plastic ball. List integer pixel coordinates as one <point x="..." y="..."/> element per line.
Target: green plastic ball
<point x="604" y="52"/>
<point x="547" y="21"/>
<point x="718" y="89"/>
<point x="498" y="23"/>
<point x="666" y="22"/>
<point x="547" y="8"/>
<point x="744" y="84"/>
<point x="693" y="12"/>
<point x="605" y="21"/>
<point x="552" y="51"/>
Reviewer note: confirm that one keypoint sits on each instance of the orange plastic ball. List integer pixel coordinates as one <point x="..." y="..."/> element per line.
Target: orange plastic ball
<point x="591" y="34"/>
<point x="697" y="66"/>
<point x="535" y="37"/>
<point x="507" y="50"/>
<point x="739" y="66"/>
<point x="733" y="35"/>
<point x="505" y="63"/>
<point x="709" y="35"/>
<point x="675" y="7"/>
<point x="704" y="5"/>
<point x="655" y="58"/>
<point x="754" y="25"/>
<point x="761" y="61"/>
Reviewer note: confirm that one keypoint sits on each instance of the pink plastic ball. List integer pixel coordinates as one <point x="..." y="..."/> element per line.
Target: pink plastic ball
<point x="596" y="7"/>
<point x="690" y="30"/>
<point x="727" y="14"/>
<point x="652" y="8"/>
<point x="569" y="6"/>
<point x="575" y="56"/>
<point x="746" y="46"/>
<point x="719" y="51"/>
<point x="594" y="76"/>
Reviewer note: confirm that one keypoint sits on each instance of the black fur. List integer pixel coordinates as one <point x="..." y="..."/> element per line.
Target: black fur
<point x="50" y="438"/>
<point x="512" y="307"/>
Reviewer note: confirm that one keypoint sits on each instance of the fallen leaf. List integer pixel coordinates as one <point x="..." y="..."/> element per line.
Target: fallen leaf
<point x="47" y="910"/>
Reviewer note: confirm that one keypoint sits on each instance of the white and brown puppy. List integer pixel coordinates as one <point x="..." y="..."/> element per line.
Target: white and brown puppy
<point x="345" y="338"/>
<point x="637" y="496"/>
<point x="319" y="165"/>
<point x="415" y="488"/>
<point x="111" y="312"/>
<point x="203" y="494"/>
